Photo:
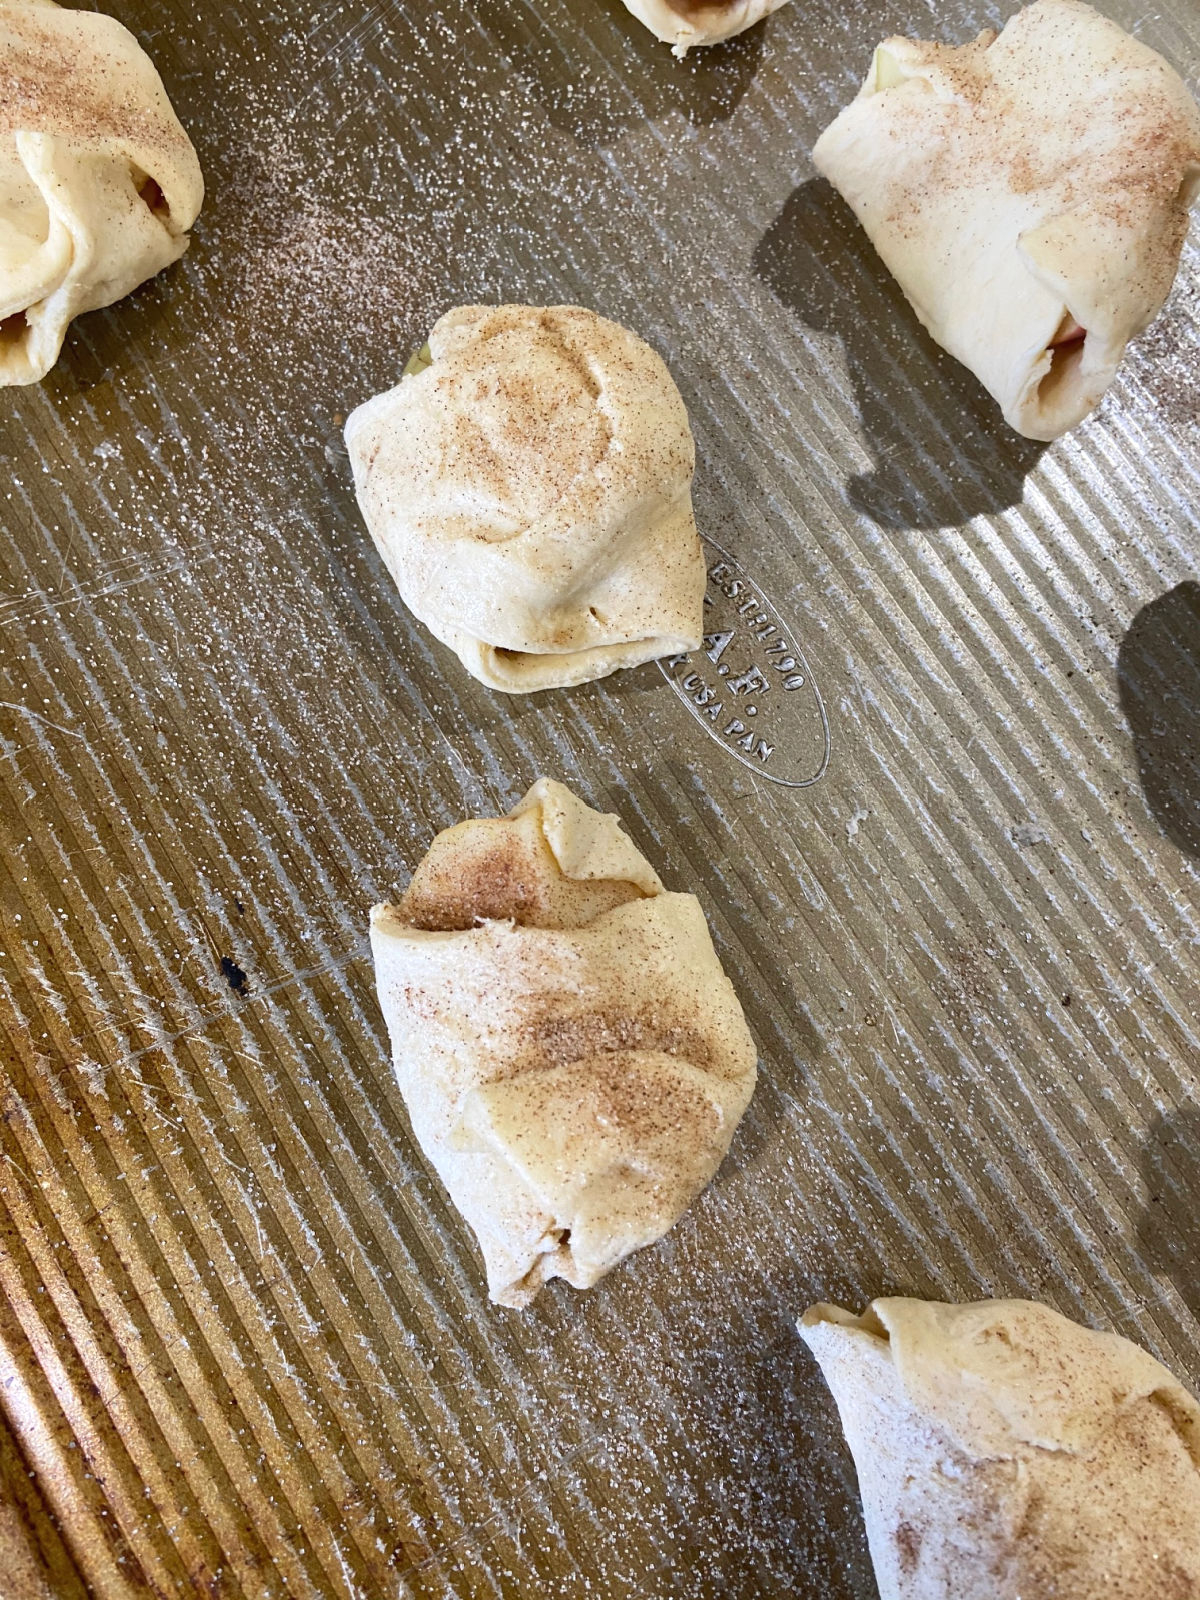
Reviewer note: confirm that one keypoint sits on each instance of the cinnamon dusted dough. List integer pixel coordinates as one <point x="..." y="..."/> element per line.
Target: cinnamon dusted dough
<point x="530" y="492"/>
<point x="687" y="23"/>
<point x="1004" y="1453"/>
<point x="573" y="1058"/>
<point x="1029" y="192"/>
<point x="99" y="184"/>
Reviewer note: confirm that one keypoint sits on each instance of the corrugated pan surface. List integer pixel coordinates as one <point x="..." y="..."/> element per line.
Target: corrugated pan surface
<point x="244" y="1342"/>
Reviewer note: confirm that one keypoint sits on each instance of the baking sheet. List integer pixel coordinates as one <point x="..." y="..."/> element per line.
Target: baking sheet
<point x="245" y="1344"/>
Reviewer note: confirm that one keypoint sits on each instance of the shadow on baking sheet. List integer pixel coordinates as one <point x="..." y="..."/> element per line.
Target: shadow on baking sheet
<point x="800" y="1481"/>
<point x="1169" y="1232"/>
<point x="596" y="70"/>
<point x="943" y="453"/>
<point x="1158" y="673"/>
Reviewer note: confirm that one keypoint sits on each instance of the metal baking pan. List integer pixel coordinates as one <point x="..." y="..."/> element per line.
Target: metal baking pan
<point x="245" y="1346"/>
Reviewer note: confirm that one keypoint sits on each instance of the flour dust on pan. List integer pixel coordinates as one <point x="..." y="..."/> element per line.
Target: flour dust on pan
<point x="749" y="684"/>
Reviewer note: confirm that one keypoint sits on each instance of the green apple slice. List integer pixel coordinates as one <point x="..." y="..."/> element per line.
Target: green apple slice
<point x="418" y="362"/>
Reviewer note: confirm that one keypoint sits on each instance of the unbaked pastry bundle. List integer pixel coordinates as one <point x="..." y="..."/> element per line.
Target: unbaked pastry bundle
<point x="99" y="184"/>
<point x="573" y="1058"/>
<point x="529" y="491"/>
<point x="1005" y="1453"/>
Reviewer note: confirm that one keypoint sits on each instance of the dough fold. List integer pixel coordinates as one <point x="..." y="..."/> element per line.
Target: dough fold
<point x="1029" y="192"/>
<point x="1005" y="1453"/>
<point x="685" y="24"/>
<point x="99" y="184"/>
<point x="573" y="1058"/>
<point x="530" y="493"/>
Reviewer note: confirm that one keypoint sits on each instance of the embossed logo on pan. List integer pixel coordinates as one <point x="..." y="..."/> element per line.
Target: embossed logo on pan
<point x="749" y="685"/>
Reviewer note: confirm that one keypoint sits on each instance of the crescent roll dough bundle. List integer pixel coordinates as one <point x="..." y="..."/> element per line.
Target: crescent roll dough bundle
<point x="1004" y="1453"/>
<point x="98" y="182"/>
<point x="1029" y="192"/>
<point x="530" y="493"/>
<point x="573" y="1059"/>
<point x="687" y="23"/>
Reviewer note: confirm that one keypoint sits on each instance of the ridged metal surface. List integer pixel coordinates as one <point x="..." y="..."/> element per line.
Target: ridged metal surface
<point x="245" y="1345"/>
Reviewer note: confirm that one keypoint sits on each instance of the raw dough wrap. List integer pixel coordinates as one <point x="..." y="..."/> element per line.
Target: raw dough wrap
<point x="530" y="493"/>
<point x="688" y="23"/>
<point x="1005" y="1453"/>
<point x="573" y="1059"/>
<point x="1025" y="190"/>
<point x="99" y="184"/>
